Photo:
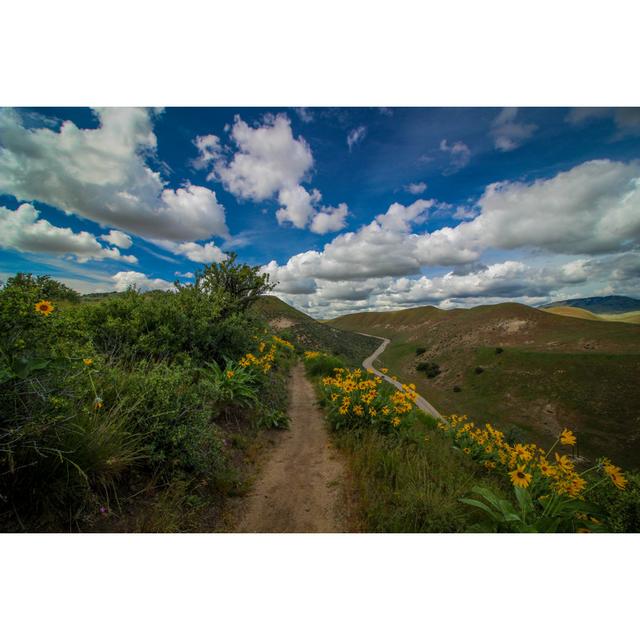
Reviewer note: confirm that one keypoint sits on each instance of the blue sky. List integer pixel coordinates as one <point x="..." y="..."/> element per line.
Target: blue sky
<point x="347" y="208"/>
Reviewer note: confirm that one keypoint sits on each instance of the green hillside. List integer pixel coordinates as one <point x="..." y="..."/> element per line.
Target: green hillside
<point x="311" y="335"/>
<point x="577" y="312"/>
<point x="522" y="368"/>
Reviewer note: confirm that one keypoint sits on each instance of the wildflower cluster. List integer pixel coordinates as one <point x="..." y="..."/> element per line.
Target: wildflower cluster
<point x="266" y="356"/>
<point x="311" y="355"/>
<point x="356" y="400"/>
<point x="527" y="465"/>
<point x="551" y="485"/>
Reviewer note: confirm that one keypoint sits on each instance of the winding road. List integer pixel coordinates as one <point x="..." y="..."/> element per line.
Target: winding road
<point x="421" y="403"/>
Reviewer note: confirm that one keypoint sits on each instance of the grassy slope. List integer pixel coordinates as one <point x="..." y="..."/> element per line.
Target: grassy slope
<point x="312" y="335"/>
<point x="554" y="371"/>
<point x="576" y="312"/>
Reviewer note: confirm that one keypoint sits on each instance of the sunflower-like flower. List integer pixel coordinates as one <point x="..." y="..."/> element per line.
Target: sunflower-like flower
<point x="88" y="361"/>
<point x="615" y="474"/>
<point x="44" y="307"/>
<point x="230" y="373"/>
<point x="567" y="437"/>
<point x="520" y="477"/>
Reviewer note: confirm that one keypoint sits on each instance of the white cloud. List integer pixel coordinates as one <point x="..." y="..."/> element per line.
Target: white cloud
<point x="330" y="219"/>
<point x="416" y="188"/>
<point x="591" y="209"/>
<point x="459" y="156"/>
<point x="125" y="279"/>
<point x="297" y="206"/>
<point x="356" y="136"/>
<point x="267" y="159"/>
<point x="508" y="134"/>
<point x="209" y="149"/>
<point x="118" y="239"/>
<point x="204" y="254"/>
<point x="187" y="274"/>
<point x="23" y="230"/>
<point x="102" y="174"/>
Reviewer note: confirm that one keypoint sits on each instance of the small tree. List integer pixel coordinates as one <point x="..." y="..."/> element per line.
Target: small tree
<point x="239" y="285"/>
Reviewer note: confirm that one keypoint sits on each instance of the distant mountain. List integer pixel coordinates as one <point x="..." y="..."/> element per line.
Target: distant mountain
<point x="599" y="304"/>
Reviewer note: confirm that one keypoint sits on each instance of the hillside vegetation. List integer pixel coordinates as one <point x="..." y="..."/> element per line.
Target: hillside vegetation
<point x="528" y="371"/>
<point x="137" y="412"/>
<point x="310" y="335"/>
<point x="576" y="312"/>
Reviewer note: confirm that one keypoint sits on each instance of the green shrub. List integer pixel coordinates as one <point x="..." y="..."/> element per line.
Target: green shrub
<point x="322" y="364"/>
<point x="432" y="369"/>
<point x="478" y="370"/>
<point x="420" y="351"/>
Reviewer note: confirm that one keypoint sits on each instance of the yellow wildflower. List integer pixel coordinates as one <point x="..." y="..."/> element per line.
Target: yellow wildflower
<point x="44" y="307"/>
<point x="567" y="437"/>
<point x="520" y="477"/>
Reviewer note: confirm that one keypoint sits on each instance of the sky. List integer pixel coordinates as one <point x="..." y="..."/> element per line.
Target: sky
<point x="347" y="209"/>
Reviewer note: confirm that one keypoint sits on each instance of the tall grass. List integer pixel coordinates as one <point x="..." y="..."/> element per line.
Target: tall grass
<point x="411" y="481"/>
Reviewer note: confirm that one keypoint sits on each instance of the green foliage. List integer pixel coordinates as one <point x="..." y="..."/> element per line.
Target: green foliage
<point x="621" y="509"/>
<point x="239" y="285"/>
<point x="234" y="385"/>
<point x="432" y="369"/>
<point x="103" y="401"/>
<point x="44" y="287"/>
<point x="420" y="351"/>
<point x="479" y="370"/>
<point x="322" y="365"/>
<point x="411" y="480"/>
<point x="548" y="514"/>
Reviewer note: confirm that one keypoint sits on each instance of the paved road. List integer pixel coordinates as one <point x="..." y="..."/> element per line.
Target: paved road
<point x="368" y="364"/>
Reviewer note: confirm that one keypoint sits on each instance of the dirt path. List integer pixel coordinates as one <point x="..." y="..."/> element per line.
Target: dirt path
<point x="421" y="403"/>
<point x="300" y="488"/>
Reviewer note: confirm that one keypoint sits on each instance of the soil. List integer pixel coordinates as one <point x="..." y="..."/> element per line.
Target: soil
<point x="302" y="485"/>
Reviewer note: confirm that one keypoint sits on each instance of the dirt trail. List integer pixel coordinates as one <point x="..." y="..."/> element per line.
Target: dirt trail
<point x="300" y="488"/>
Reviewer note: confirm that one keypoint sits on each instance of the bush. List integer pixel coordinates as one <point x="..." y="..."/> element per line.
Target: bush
<point x="478" y="370"/>
<point x="430" y="368"/>
<point x="114" y="398"/>
<point x="499" y="350"/>
<point x="322" y="364"/>
<point x="420" y="351"/>
<point x="457" y="389"/>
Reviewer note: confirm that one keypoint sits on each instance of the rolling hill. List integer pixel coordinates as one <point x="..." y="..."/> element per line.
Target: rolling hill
<point x="599" y="304"/>
<point x="311" y="335"/>
<point x="528" y="371"/>
<point x="577" y="312"/>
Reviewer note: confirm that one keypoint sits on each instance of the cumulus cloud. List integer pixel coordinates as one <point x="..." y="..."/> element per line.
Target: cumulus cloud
<point x="102" y="174"/>
<point x="416" y="188"/>
<point x="187" y="274"/>
<point x="195" y="252"/>
<point x="330" y="219"/>
<point x="590" y="211"/>
<point x="459" y="156"/>
<point x="266" y="160"/>
<point x="356" y="136"/>
<point x="297" y="206"/>
<point x="117" y="238"/>
<point x="23" y="230"/>
<point x="125" y="279"/>
<point x="508" y="134"/>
